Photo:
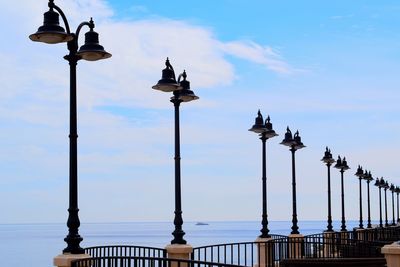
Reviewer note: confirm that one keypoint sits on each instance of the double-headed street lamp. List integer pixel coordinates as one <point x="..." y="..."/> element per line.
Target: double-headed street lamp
<point x="328" y="160"/>
<point x="392" y="189"/>
<point x="342" y="166"/>
<point x="379" y="185"/>
<point x="265" y="132"/>
<point x="181" y="93"/>
<point x="360" y="175"/>
<point x="368" y="178"/>
<point x="52" y="33"/>
<point x="294" y="142"/>
<point x="385" y="187"/>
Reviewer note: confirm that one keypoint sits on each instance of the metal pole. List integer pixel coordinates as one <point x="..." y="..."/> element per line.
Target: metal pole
<point x="386" y="217"/>
<point x="264" y="231"/>
<point x="343" y="227"/>
<point x="295" y="228"/>
<point x="380" y="208"/>
<point x="73" y="238"/>
<point x="178" y="233"/>
<point x="329" y="228"/>
<point x="369" y="208"/>
<point x="361" y="226"/>
<point x="398" y="217"/>
<point x="393" y="223"/>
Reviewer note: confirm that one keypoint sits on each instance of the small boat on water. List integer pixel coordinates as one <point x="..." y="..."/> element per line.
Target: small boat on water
<point x="201" y="223"/>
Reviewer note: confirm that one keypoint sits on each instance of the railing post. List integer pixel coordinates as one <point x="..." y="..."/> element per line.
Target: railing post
<point x="64" y="260"/>
<point x="265" y="250"/>
<point x="179" y="251"/>
<point x="360" y="234"/>
<point x="392" y="254"/>
<point x="329" y="243"/>
<point x="295" y="248"/>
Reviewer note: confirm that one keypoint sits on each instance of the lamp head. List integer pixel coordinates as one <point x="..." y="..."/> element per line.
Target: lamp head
<point x="168" y="81"/>
<point x="288" y="140"/>
<point x="359" y="173"/>
<point x="92" y="50"/>
<point x="269" y="130"/>
<point x="377" y="182"/>
<point x="328" y="157"/>
<point x="259" y="126"/>
<point x="185" y="94"/>
<point x="344" y="164"/>
<point x="51" y="32"/>
<point x="297" y="140"/>
<point x="338" y="164"/>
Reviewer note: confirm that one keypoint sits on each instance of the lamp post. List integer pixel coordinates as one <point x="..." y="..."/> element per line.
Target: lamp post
<point x="392" y="189"/>
<point x="397" y="193"/>
<point x="265" y="131"/>
<point x="368" y="178"/>
<point x="342" y="166"/>
<point x="385" y="186"/>
<point x="294" y="142"/>
<point x="52" y="33"/>
<point x="328" y="160"/>
<point x="181" y="93"/>
<point x="379" y="185"/>
<point x="360" y="175"/>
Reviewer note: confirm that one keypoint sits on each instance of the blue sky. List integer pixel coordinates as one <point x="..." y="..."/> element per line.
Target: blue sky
<point x="329" y="69"/>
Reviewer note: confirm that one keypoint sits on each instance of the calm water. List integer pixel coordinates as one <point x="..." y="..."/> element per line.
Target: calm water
<point x="35" y="245"/>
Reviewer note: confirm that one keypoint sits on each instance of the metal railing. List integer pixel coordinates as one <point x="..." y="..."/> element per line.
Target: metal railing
<point x="144" y="262"/>
<point x="125" y="251"/>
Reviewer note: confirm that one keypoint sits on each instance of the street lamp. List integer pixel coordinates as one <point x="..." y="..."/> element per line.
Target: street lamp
<point x="52" y="33"/>
<point x="265" y="131"/>
<point x="342" y="166"/>
<point x="392" y="189"/>
<point x="360" y="175"/>
<point x="368" y="178"/>
<point x="328" y="160"/>
<point x="397" y="192"/>
<point x="379" y="185"/>
<point x="181" y="93"/>
<point x="294" y="142"/>
<point x="385" y="186"/>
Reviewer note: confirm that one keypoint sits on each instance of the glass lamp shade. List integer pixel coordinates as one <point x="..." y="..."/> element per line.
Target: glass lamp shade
<point x="259" y="126"/>
<point x="186" y="95"/>
<point x="360" y="172"/>
<point x="92" y="50"/>
<point x="51" y="32"/>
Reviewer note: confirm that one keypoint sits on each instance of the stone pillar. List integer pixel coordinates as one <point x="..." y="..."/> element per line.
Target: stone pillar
<point x="265" y="250"/>
<point x="64" y="260"/>
<point x="329" y="244"/>
<point x="295" y="248"/>
<point x="361" y="235"/>
<point x="179" y="251"/>
<point x="392" y="254"/>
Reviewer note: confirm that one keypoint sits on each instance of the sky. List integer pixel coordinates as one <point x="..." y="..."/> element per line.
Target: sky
<point x="327" y="68"/>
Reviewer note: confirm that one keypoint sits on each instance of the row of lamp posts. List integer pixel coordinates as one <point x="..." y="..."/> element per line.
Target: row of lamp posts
<point x="52" y="33"/>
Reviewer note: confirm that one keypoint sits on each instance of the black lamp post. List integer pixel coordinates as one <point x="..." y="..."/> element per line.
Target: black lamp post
<point x="52" y="33"/>
<point x="368" y="178"/>
<point x="398" y="192"/>
<point x="328" y="160"/>
<point x="360" y="175"/>
<point x="392" y="189"/>
<point x="385" y="187"/>
<point x="265" y="132"/>
<point x="181" y="93"/>
<point x="294" y="142"/>
<point x="379" y="185"/>
<point x="342" y="166"/>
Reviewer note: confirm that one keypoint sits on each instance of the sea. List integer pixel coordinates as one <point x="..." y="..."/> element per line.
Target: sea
<point x="35" y="245"/>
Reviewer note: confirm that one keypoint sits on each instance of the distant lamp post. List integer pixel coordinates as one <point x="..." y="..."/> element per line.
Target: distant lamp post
<point x="379" y="185"/>
<point x="385" y="186"/>
<point x="342" y="166"/>
<point x="397" y="193"/>
<point x="52" y="33"/>
<point x="360" y="175"/>
<point x="294" y="142"/>
<point x="265" y="131"/>
<point x="392" y="189"/>
<point x="328" y="160"/>
<point x="368" y="178"/>
<point x="181" y="93"/>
